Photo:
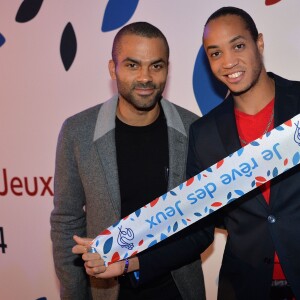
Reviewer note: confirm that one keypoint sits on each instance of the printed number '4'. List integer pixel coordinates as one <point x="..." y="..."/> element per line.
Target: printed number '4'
<point x="2" y="243"/>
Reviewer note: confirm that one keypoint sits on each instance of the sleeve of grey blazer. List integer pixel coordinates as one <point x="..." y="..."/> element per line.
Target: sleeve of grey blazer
<point x="68" y="218"/>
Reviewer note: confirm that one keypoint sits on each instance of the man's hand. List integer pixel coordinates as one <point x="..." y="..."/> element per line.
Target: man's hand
<point x="94" y="264"/>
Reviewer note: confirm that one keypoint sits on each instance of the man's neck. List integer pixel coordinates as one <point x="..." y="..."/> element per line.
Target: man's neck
<point x="134" y="117"/>
<point x="257" y="97"/>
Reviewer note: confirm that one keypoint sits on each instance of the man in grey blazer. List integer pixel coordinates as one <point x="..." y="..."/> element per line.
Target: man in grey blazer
<point x="114" y="158"/>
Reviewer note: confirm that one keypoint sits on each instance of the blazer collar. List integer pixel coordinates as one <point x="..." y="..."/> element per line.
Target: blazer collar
<point x="172" y="116"/>
<point x="107" y="114"/>
<point x="227" y="128"/>
<point x="286" y="107"/>
<point x="286" y="101"/>
<point x="106" y="118"/>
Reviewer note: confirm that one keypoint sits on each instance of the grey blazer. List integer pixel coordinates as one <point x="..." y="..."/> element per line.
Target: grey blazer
<point x="87" y="198"/>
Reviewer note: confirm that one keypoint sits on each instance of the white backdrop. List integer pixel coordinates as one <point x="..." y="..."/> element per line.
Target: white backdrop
<point x="37" y="93"/>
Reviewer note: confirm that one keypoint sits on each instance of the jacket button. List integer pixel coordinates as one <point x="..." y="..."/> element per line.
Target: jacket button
<point x="271" y="219"/>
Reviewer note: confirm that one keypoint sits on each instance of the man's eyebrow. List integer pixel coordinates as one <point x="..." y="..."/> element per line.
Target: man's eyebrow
<point x="212" y="47"/>
<point x="130" y="59"/>
<point x="160" y="60"/>
<point x="136" y="61"/>
<point x="234" y="39"/>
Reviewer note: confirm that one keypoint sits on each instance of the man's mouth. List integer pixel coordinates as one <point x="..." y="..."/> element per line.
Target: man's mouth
<point x="144" y="91"/>
<point x="235" y="75"/>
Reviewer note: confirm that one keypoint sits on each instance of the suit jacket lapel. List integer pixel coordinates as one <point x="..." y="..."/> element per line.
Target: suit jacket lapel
<point x="286" y="102"/>
<point x="286" y="107"/>
<point x="104" y="139"/>
<point x="177" y="141"/>
<point x="177" y="153"/>
<point x="227" y="127"/>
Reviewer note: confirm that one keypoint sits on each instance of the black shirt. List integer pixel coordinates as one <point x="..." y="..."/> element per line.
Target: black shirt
<point x="143" y="164"/>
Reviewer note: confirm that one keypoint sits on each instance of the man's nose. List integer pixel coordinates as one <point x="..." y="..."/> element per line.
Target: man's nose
<point x="144" y="75"/>
<point x="229" y="61"/>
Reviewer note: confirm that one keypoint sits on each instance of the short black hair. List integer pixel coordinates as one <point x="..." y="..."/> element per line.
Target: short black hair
<point x="142" y="29"/>
<point x="230" y="10"/>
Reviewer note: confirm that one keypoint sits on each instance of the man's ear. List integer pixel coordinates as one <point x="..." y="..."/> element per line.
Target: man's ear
<point x="260" y="43"/>
<point x="112" y="69"/>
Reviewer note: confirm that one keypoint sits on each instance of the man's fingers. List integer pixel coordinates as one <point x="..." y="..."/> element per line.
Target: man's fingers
<point x="82" y="241"/>
<point x="78" y="249"/>
<point x="95" y="270"/>
<point x="83" y="245"/>
<point x="92" y="270"/>
<point x="94" y="264"/>
<point x="93" y="259"/>
<point x="91" y="256"/>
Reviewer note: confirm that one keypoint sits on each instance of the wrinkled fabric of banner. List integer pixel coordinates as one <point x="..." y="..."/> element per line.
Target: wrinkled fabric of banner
<point x="224" y="182"/>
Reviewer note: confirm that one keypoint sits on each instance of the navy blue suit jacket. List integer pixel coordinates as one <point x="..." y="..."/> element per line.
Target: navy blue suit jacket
<point x="248" y="260"/>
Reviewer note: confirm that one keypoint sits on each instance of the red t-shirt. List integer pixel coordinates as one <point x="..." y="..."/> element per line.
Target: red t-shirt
<point x="251" y="127"/>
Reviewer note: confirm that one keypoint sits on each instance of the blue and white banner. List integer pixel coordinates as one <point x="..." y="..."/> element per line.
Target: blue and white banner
<point x="249" y="167"/>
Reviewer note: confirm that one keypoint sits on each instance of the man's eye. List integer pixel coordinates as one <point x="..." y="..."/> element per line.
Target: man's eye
<point x="131" y="65"/>
<point x="240" y="46"/>
<point x="215" y="54"/>
<point x="157" y="67"/>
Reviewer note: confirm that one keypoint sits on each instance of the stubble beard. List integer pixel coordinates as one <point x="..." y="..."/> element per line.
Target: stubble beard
<point x="256" y="76"/>
<point x="147" y="104"/>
